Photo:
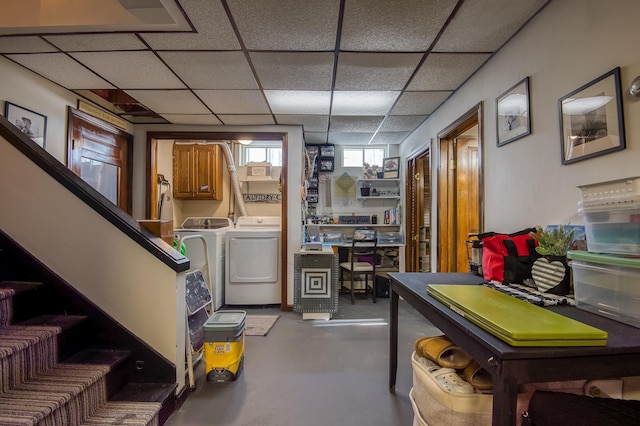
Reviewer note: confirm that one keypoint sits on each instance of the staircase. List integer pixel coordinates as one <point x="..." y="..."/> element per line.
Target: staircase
<point x="58" y="365"/>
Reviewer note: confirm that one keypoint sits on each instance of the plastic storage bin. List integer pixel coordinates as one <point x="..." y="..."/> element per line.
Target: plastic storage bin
<point x="224" y="345"/>
<point x="390" y="238"/>
<point x="611" y="213"/>
<point x="607" y="285"/>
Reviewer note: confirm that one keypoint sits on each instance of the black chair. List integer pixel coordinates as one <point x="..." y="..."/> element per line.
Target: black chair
<point x="361" y="262"/>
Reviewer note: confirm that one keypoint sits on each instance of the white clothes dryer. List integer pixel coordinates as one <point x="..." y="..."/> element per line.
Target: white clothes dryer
<point x="253" y="273"/>
<point x="214" y="230"/>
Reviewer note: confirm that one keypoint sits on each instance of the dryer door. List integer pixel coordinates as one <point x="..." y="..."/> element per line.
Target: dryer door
<point x="253" y="259"/>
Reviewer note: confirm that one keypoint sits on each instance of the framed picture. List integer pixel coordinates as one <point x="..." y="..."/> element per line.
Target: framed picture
<point x="513" y="119"/>
<point x="391" y="168"/>
<point x="29" y="122"/>
<point x="591" y="120"/>
<point x="327" y="151"/>
<point x="326" y="164"/>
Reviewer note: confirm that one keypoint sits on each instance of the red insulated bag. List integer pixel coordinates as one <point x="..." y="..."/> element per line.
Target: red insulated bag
<point x="508" y="258"/>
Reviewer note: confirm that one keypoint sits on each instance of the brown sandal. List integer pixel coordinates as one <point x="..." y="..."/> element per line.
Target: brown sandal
<point x="443" y="351"/>
<point x="479" y="378"/>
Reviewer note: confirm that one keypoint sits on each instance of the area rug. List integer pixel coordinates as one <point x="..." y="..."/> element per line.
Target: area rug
<point x="259" y="325"/>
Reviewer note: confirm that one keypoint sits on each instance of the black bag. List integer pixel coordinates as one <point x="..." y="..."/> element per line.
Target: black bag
<point x="559" y="408"/>
<point x="382" y="286"/>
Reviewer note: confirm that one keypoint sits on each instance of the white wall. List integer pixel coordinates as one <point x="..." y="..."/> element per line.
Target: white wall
<point x="570" y="43"/>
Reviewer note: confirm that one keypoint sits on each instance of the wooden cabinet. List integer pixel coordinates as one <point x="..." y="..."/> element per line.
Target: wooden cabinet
<point x="197" y="172"/>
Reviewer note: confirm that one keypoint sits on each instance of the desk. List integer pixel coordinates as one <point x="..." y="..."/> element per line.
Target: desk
<point x="509" y="365"/>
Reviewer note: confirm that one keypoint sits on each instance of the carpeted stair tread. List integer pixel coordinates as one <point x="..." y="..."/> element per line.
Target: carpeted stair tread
<point x="124" y="413"/>
<point x="20" y="286"/>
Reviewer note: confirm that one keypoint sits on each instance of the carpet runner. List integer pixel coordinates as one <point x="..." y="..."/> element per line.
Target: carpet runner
<point x="38" y="390"/>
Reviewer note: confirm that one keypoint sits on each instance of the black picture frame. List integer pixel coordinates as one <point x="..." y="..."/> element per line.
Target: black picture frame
<point x="326" y="164"/>
<point x="31" y="123"/>
<point x="513" y="113"/>
<point x="591" y="119"/>
<point x="327" y="151"/>
<point x="391" y="168"/>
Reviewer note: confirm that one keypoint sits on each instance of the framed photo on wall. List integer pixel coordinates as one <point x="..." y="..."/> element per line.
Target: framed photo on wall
<point x="591" y="119"/>
<point x="513" y="120"/>
<point x="29" y="122"/>
<point x="391" y="168"/>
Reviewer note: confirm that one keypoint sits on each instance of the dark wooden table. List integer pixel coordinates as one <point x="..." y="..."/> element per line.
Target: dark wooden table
<point x="510" y="365"/>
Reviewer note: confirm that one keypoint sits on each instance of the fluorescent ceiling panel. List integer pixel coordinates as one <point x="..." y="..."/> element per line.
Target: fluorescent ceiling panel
<point x="375" y="71"/>
<point x="298" y="102"/>
<point x="404" y="25"/>
<point x="169" y="101"/>
<point x="211" y="70"/>
<point x="363" y="103"/>
<point x="484" y="26"/>
<point x="287" y="24"/>
<point x="294" y="70"/>
<point x="310" y="123"/>
<point x="62" y="70"/>
<point x="131" y="70"/>
<point x="419" y="103"/>
<point x="96" y="42"/>
<point x="234" y="101"/>
<point x="390" y="138"/>
<point x="213" y="30"/>
<point x="442" y="71"/>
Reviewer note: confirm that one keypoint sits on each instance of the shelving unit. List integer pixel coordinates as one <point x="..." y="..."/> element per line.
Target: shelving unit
<point x="379" y="189"/>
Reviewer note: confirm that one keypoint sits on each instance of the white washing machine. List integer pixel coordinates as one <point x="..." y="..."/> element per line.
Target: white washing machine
<point x="253" y="261"/>
<point x="214" y="230"/>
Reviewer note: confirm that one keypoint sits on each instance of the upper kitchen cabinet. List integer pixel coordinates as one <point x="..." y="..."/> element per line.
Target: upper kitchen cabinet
<point x="197" y="172"/>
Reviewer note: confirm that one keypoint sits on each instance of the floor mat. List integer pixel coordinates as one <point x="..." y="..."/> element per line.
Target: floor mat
<point x="259" y="325"/>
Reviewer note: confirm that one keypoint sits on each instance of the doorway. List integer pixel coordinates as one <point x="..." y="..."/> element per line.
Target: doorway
<point x="101" y="155"/>
<point x="419" y="212"/>
<point x="152" y="191"/>
<point x="459" y="180"/>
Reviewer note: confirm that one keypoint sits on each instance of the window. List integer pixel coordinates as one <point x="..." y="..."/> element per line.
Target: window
<point x="260" y="151"/>
<point x="356" y="157"/>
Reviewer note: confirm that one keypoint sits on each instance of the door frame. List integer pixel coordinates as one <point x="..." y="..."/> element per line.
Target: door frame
<point x="415" y="204"/>
<point x="472" y="117"/>
<point x="151" y="199"/>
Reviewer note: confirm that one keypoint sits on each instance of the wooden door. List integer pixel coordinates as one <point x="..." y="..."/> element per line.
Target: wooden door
<point x="182" y="171"/>
<point x="205" y="179"/>
<point x="101" y="154"/>
<point x="418" y="213"/>
<point x="459" y="192"/>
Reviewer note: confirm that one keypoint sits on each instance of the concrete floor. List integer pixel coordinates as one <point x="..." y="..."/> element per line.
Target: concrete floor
<point x="315" y="373"/>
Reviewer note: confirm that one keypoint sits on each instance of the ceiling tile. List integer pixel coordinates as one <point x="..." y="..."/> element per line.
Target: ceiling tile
<point x="419" y="103"/>
<point x="484" y="26"/>
<point x="310" y="123"/>
<point x="298" y="102"/>
<point x="315" y="137"/>
<point x="211" y="70"/>
<point x="354" y="124"/>
<point x="402" y="123"/>
<point x="286" y="24"/>
<point x="62" y="70"/>
<point x="294" y="70"/>
<point x="363" y="103"/>
<point x="25" y="45"/>
<point x="350" y="138"/>
<point x="96" y="42"/>
<point x="213" y="30"/>
<point x="375" y="71"/>
<point x="130" y="70"/>
<point x="404" y="25"/>
<point x="246" y="119"/>
<point x="199" y="119"/>
<point x="442" y="71"/>
<point x="390" y="138"/>
<point x="234" y="101"/>
<point x="169" y="101"/>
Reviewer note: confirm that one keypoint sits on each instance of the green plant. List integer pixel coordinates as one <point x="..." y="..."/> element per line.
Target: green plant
<point x="555" y="241"/>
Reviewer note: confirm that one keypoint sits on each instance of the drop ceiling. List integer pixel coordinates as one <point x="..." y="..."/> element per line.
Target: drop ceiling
<point x="349" y="71"/>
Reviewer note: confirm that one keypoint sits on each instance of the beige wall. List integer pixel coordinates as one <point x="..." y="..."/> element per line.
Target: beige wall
<point x="570" y="43"/>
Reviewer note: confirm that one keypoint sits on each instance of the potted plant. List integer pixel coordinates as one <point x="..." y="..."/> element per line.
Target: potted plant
<point x="551" y="272"/>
